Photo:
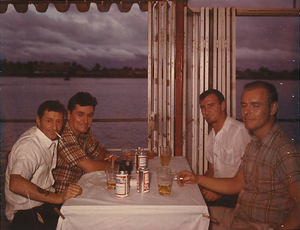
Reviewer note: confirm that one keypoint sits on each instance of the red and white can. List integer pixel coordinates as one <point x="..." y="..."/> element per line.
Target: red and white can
<point x="122" y="184"/>
<point x="143" y="180"/>
<point x="142" y="159"/>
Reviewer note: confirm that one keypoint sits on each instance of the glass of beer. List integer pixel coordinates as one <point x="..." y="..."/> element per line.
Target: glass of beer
<point x="111" y="172"/>
<point x="165" y="155"/>
<point x="164" y="180"/>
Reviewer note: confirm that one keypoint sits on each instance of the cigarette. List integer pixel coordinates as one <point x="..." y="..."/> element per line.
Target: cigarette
<point x="211" y="218"/>
<point x="108" y="157"/>
<point x="58" y="135"/>
<point x="59" y="213"/>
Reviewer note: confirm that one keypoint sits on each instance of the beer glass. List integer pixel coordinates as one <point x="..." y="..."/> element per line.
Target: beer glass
<point x="111" y="172"/>
<point x="165" y="155"/>
<point x="164" y="180"/>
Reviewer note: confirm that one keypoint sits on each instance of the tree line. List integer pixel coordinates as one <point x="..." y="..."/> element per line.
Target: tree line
<point x="265" y="73"/>
<point x="68" y="69"/>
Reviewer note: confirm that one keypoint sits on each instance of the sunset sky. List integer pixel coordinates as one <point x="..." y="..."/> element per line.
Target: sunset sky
<point x="116" y="39"/>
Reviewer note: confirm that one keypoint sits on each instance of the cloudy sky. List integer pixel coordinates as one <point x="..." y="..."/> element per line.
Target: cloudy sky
<point x="116" y="39"/>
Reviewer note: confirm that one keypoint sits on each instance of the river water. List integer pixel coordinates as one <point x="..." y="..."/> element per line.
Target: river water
<point x="117" y="98"/>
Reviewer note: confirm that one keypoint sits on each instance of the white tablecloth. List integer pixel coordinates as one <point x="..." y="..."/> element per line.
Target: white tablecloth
<point x="99" y="208"/>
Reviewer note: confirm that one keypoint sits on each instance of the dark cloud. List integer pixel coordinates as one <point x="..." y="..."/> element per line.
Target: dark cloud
<point x="115" y="39"/>
<point x="271" y="42"/>
<point x="267" y="41"/>
<point x="112" y="39"/>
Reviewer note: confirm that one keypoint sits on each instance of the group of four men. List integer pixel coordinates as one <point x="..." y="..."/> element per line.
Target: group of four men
<point x="266" y="179"/>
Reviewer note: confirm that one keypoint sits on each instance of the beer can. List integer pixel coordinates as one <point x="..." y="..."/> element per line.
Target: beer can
<point x="122" y="184"/>
<point x="142" y="161"/>
<point x="143" y="180"/>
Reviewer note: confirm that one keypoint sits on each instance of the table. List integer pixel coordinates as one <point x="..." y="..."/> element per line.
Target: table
<point x="99" y="207"/>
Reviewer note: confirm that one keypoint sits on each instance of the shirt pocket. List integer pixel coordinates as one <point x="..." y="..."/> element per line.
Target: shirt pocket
<point x="230" y="157"/>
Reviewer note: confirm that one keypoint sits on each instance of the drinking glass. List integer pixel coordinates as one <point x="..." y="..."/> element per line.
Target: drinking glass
<point x="164" y="180"/>
<point x="165" y="155"/>
<point x="111" y="172"/>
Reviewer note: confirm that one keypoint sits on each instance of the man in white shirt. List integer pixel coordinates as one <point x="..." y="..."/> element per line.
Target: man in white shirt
<point x="28" y="183"/>
<point x="225" y="145"/>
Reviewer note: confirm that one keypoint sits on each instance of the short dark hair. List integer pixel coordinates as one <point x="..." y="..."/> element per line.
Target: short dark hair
<point x="55" y="106"/>
<point x="218" y="94"/>
<point x="82" y="99"/>
<point x="273" y="96"/>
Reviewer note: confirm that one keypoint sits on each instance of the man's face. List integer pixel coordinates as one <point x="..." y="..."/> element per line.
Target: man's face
<point x="80" y="119"/>
<point x="211" y="108"/>
<point x="50" y="123"/>
<point x="256" y="111"/>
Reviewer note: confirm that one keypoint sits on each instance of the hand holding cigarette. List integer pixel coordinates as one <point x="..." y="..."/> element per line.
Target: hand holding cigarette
<point x="185" y="177"/>
<point x="108" y="157"/>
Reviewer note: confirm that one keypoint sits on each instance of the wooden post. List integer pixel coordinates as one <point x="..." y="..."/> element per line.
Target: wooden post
<point x="179" y="76"/>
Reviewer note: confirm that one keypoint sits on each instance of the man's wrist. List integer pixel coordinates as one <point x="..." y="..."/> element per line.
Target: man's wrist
<point x="61" y="198"/>
<point x="198" y="179"/>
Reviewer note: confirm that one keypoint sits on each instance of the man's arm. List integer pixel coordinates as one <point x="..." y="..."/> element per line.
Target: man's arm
<point x="100" y="154"/>
<point x="87" y="158"/>
<point x="293" y="219"/>
<point x="208" y="194"/>
<point x="210" y="171"/>
<point x="27" y="189"/>
<point x="104" y="153"/>
<point x="88" y="165"/>
<point x="227" y="186"/>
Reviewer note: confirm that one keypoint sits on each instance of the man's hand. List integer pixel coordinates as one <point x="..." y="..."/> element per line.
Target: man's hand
<point x="210" y="195"/>
<point x="71" y="191"/>
<point x="185" y="177"/>
<point x="110" y="158"/>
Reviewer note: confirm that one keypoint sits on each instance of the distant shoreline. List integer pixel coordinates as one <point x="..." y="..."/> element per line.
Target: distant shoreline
<point x="69" y="77"/>
<point x="135" y="77"/>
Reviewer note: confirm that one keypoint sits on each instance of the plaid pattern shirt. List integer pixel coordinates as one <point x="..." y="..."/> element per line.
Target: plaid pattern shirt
<point x="269" y="167"/>
<point x="71" y="150"/>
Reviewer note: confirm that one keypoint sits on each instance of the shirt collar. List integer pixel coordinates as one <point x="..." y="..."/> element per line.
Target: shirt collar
<point x="225" y="127"/>
<point x="44" y="139"/>
<point x="69" y="131"/>
<point x="268" y="138"/>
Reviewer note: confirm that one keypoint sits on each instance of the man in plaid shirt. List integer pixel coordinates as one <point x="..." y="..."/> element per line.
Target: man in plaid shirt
<point x="78" y="151"/>
<point x="268" y="180"/>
